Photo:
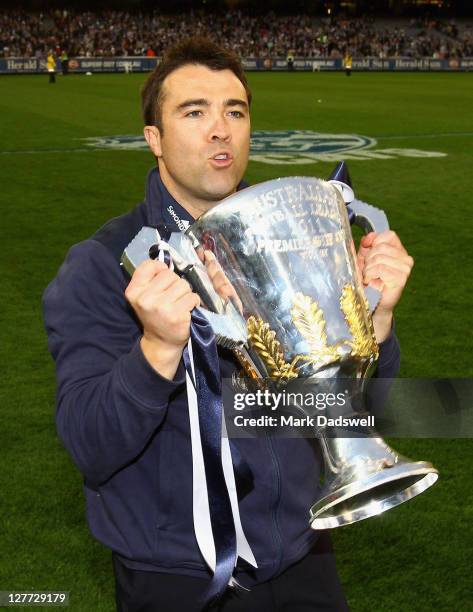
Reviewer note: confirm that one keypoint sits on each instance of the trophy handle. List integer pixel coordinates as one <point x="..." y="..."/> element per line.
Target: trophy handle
<point x="366" y="216"/>
<point x="227" y="323"/>
<point x="370" y="219"/>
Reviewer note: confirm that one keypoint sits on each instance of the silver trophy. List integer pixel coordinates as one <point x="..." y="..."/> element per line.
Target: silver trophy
<point x="300" y="314"/>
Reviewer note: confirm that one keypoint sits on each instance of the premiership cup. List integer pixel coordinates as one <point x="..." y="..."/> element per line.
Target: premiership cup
<point x="286" y="246"/>
<point x="303" y="316"/>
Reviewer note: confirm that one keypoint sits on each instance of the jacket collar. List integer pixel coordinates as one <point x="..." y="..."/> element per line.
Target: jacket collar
<point x="163" y="209"/>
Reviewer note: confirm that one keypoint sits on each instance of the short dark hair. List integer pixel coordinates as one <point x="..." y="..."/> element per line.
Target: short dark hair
<point x="195" y="50"/>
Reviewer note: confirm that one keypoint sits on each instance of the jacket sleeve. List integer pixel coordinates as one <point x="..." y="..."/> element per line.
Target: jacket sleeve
<point x="110" y="401"/>
<point x="388" y="367"/>
<point x="389" y="360"/>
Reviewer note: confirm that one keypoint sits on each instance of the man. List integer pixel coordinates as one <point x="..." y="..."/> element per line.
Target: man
<point x="118" y="344"/>
<point x="290" y="61"/>
<point x="51" y="67"/>
<point x="64" y="62"/>
<point x="347" y="63"/>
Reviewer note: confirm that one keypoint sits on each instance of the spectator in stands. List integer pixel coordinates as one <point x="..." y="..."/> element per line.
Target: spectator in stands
<point x="115" y="33"/>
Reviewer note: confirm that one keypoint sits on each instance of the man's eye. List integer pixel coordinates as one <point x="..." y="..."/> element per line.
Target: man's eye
<point x="194" y="113"/>
<point x="237" y="114"/>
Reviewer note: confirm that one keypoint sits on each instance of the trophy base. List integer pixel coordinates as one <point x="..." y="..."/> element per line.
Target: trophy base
<point x="373" y="495"/>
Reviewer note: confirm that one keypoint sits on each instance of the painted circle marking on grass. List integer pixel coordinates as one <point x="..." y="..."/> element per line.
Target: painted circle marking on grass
<point x="276" y="147"/>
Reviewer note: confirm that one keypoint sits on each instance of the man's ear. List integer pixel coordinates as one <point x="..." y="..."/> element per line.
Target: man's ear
<point x="153" y="138"/>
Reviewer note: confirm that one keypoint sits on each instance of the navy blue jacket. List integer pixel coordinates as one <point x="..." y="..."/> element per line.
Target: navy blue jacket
<point x="127" y="428"/>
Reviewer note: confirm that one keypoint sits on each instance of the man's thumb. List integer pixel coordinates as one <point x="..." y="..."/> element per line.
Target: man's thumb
<point x="367" y="240"/>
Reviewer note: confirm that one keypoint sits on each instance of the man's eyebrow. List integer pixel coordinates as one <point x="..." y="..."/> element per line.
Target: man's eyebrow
<point x="236" y="102"/>
<point x="205" y="102"/>
<point x="194" y="102"/>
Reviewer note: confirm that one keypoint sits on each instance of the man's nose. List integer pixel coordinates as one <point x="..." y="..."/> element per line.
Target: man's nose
<point x="220" y="129"/>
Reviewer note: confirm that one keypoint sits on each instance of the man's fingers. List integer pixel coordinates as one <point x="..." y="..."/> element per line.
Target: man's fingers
<point x="367" y="240"/>
<point x="392" y="277"/>
<point x="374" y="247"/>
<point x="221" y="282"/>
<point x="208" y="256"/>
<point x="360" y="261"/>
<point x="364" y="248"/>
<point x="385" y="248"/>
<point x="161" y="281"/>
<point x="376" y="283"/>
<point x="219" y="279"/>
<point x="393" y="262"/>
<point x="177" y="290"/>
<point x="373" y="239"/>
<point x="201" y="253"/>
<point x="214" y="270"/>
<point x="211" y="264"/>
<point x="147" y="270"/>
<point x="388" y="237"/>
<point x="190" y="301"/>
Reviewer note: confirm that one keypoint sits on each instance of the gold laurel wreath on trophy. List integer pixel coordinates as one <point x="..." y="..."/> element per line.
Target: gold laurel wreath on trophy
<point x="264" y="341"/>
<point x="356" y="313"/>
<point x="309" y="320"/>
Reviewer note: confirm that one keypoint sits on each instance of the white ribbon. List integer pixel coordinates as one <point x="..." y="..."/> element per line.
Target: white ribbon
<point x="200" y="500"/>
<point x="163" y="246"/>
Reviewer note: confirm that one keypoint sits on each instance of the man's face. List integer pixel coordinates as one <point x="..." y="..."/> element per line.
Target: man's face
<point x="203" y="150"/>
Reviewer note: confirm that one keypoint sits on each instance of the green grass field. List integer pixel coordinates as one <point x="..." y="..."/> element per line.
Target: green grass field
<point x="54" y="193"/>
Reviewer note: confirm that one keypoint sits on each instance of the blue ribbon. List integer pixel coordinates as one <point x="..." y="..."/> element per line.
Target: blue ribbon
<point x="209" y="398"/>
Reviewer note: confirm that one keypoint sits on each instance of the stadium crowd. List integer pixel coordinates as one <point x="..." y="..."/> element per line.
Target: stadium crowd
<point x="114" y="33"/>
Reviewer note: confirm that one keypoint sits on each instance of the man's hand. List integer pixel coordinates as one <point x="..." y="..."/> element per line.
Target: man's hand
<point x="384" y="264"/>
<point x="163" y="302"/>
<point x="220" y="282"/>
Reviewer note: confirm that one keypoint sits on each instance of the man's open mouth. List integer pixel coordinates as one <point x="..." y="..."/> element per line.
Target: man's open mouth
<point x="222" y="159"/>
